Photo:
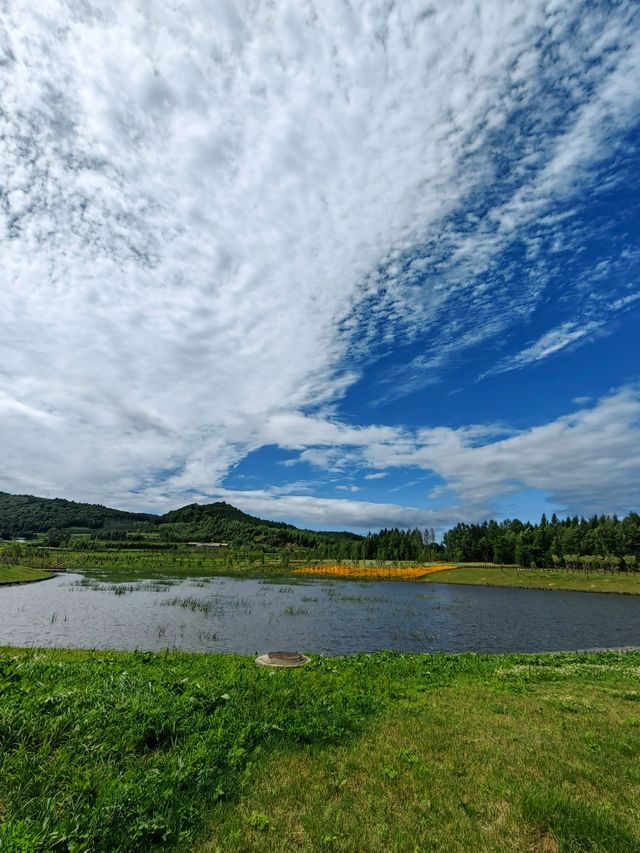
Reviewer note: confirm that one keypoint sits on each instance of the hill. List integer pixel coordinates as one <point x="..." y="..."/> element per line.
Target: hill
<point x="222" y="522"/>
<point x="27" y="515"/>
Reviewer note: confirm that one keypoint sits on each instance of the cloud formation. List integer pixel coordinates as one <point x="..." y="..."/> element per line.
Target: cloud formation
<point x="213" y="215"/>
<point x="586" y="462"/>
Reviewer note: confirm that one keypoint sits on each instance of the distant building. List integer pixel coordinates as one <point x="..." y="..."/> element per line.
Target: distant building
<point x="209" y="544"/>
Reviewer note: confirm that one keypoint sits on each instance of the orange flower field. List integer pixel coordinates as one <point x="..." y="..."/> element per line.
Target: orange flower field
<point x="397" y="572"/>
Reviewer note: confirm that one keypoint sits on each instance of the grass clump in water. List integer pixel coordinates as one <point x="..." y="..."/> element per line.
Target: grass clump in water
<point x="295" y="611"/>
<point x="201" y="605"/>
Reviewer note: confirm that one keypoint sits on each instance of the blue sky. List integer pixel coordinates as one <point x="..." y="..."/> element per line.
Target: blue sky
<point x="349" y="265"/>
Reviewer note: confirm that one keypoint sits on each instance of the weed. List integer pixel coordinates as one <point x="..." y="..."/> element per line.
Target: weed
<point x="201" y="605"/>
<point x="258" y="821"/>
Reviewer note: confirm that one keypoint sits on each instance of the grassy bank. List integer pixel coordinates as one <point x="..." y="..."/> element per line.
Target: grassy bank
<point x="487" y="575"/>
<point x="21" y="574"/>
<point x="126" y="751"/>
<point x="128" y="565"/>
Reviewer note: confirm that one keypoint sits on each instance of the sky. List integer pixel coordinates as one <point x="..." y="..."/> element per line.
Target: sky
<point x="345" y="264"/>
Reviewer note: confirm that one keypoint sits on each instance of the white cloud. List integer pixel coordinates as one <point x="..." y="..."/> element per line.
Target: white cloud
<point x="341" y="513"/>
<point x="207" y="207"/>
<point x="584" y="462"/>
<point x="548" y="344"/>
<point x="587" y="461"/>
<point x="565" y="335"/>
<point x="625" y="301"/>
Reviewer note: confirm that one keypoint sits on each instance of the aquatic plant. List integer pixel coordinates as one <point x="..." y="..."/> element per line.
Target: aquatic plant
<point x="203" y="605"/>
<point x="295" y="611"/>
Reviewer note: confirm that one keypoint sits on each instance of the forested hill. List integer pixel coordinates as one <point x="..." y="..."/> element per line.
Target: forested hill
<point x="221" y="522"/>
<point x="24" y="515"/>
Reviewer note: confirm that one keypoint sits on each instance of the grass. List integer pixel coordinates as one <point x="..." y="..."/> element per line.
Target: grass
<point x="143" y="751"/>
<point x="129" y="565"/>
<point x="191" y="603"/>
<point x="462" y="767"/>
<point x="489" y="575"/>
<point x="21" y="574"/>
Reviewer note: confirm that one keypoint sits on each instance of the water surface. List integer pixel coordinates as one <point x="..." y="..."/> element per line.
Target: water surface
<point x="334" y="617"/>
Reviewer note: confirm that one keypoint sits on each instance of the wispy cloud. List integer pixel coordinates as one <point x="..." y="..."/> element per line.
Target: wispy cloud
<point x="587" y="461"/>
<point x="566" y="335"/>
<point x="550" y="343"/>
<point x="338" y="513"/>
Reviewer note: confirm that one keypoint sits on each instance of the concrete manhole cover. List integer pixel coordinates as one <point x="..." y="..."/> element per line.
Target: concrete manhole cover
<point x="282" y="659"/>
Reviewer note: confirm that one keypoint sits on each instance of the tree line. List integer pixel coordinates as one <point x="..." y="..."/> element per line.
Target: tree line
<point x="600" y="542"/>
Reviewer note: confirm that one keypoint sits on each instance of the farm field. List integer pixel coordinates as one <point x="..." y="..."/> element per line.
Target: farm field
<point x="130" y="565"/>
<point x="489" y="575"/>
<point x="21" y="574"/>
<point x="134" y="751"/>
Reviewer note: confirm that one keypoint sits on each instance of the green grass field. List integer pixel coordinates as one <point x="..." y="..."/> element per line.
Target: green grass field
<point x="21" y="574"/>
<point x="488" y="575"/>
<point x="139" y="751"/>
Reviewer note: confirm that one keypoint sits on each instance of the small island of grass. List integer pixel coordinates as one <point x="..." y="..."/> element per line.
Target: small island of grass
<point x="22" y="574"/>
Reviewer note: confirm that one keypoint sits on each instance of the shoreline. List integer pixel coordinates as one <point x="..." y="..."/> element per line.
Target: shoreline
<point x="317" y="656"/>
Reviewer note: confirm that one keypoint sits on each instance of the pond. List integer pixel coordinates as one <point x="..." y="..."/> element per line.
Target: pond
<point x="223" y="614"/>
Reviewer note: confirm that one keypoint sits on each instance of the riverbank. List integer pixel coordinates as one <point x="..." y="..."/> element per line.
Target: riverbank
<point x="125" y="751"/>
<point x="22" y="574"/>
<point x="486" y="575"/>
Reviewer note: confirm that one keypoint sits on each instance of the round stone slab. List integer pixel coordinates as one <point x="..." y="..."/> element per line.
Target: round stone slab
<point x="286" y="659"/>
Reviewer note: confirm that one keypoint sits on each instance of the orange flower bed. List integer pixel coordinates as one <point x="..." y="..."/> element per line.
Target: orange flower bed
<point x="399" y="572"/>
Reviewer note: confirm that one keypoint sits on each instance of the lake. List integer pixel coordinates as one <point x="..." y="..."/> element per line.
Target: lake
<point x="323" y="616"/>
